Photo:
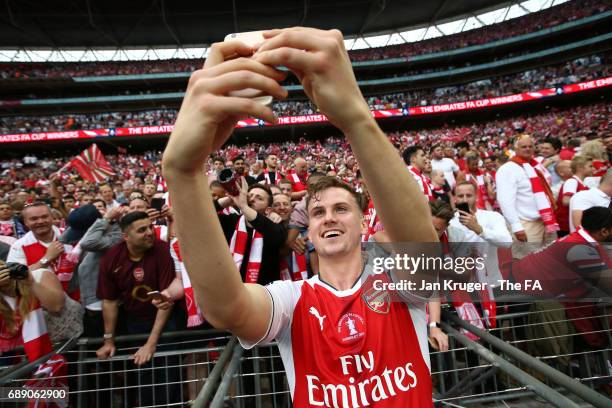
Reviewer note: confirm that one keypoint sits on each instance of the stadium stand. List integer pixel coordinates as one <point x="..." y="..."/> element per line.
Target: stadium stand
<point x="506" y="130"/>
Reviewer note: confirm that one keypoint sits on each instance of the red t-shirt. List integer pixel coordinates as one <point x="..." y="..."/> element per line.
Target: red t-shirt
<point x="122" y="279"/>
<point x="566" y="154"/>
<point x="561" y="268"/>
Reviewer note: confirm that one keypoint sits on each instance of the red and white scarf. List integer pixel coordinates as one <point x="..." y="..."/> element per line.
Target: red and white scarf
<point x="541" y="190"/>
<point x="36" y="340"/>
<point x="194" y="314"/>
<point x="483" y="201"/>
<point x="296" y="181"/>
<point x="424" y="183"/>
<point x="277" y="177"/>
<point x="371" y="219"/>
<point x="52" y="374"/>
<point x="238" y="248"/>
<point x="460" y="300"/>
<point x="298" y="270"/>
<point x="228" y="211"/>
<point x="63" y="266"/>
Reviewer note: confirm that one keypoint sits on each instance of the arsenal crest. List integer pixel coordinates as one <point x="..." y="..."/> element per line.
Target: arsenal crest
<point x="378" y="301"/>
<point x="138" y="274"/>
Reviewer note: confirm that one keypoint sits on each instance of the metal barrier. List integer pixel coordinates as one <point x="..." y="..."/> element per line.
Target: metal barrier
<point x="174" y="377"/>
<point x="556" y="376"/>
<point x="209" y="367"/>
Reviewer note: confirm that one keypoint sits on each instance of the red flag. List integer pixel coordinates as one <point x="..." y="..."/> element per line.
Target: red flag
<point x="92" y="165"/>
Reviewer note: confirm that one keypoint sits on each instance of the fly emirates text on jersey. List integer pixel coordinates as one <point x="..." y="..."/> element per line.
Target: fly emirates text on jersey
<point x="365" y="392"/>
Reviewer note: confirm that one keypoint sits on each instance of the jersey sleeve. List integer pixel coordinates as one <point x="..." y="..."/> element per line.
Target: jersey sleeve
<point x="16" y="254"/>
<point x="570" y="187"/>
<point x="284" y="296"/>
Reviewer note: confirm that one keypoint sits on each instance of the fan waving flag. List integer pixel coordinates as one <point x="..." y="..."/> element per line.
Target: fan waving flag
<point x="92" y="165"/>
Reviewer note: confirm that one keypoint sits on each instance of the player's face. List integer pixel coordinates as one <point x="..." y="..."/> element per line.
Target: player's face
<point x="335" y="222"/>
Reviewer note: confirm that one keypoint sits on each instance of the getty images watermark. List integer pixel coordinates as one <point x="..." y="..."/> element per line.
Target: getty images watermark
<point x="445" y="266"/>
<point x="511" y="272"/>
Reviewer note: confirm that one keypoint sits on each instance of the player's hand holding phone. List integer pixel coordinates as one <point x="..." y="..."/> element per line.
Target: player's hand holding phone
<point x="209" y="112"/>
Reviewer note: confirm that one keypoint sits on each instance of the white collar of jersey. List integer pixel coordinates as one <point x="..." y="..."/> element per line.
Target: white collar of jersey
<point x="340" y="293"/>
<point x="586" y="235"/>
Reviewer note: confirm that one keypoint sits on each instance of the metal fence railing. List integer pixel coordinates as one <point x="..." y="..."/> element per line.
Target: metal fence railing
<point x="174" y="377"/>
<point x="510" y="363"/>
<point x="470" y="373"/>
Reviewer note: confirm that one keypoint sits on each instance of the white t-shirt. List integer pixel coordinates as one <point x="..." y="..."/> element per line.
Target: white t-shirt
<point x="585" y="200"/>
<point x="448" y="166"/>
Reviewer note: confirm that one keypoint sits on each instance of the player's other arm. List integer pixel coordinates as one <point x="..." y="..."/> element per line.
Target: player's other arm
<point x="205" y="121"/>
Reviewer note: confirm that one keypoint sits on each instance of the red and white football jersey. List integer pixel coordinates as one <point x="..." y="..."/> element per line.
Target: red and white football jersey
<point x="351" y="348"/>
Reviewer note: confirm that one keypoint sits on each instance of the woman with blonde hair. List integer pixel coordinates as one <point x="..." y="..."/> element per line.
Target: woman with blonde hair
<point x="19" y="298"/>
<point x="596" y="151"/>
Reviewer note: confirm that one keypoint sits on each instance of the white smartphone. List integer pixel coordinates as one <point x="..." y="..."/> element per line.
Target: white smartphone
<point x="250" y="38"/>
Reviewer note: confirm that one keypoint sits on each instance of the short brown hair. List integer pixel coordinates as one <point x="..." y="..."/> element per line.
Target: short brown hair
<point x="466" y="183"/>
<point x="327" y="182"/>
<point x="441" y="209"/>
<point x="264" y="188"/>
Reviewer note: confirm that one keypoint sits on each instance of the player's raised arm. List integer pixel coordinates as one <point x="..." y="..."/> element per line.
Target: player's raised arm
<point x="205" y="121"/>
<point x="323" y="66"/>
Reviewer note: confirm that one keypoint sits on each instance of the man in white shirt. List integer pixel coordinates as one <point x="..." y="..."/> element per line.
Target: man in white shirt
<point x="594" y="197"/>
<point x="106" y="193"/>
<point x="448" y="166"/>
<point x="529" y="211"/>
<point x="486" y="227"/>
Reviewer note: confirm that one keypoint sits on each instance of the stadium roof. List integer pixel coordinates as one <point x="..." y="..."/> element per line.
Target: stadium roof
<point x="82" y="30"/>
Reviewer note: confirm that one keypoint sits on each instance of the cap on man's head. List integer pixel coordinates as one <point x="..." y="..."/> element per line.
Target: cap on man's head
<point x="79" y="221"/>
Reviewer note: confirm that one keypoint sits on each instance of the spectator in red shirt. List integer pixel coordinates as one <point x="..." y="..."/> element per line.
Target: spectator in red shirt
<point x="128" y="272"/>
<point x="462" y="148"/>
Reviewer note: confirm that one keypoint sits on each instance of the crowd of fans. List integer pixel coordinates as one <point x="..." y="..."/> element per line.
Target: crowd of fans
<point x="529" y="23"/>
<point x="124" y="224"/>
<point x="551" y="17"/>
<point x="581" y="69"/>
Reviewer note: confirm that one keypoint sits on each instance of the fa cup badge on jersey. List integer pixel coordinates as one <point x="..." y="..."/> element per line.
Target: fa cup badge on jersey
<point x="378" y="301"/>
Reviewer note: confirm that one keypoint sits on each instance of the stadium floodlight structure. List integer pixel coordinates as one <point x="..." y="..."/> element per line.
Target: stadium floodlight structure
<point x="441" y="28"/>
